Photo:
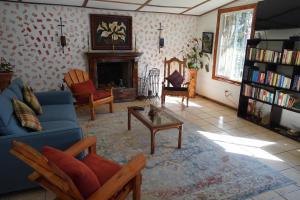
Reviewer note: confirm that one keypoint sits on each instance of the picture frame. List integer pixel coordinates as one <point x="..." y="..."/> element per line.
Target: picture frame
<point x="111" y="32"/>
<point x="207" y="42"/>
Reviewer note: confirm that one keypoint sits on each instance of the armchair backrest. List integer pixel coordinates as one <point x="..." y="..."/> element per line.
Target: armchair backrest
<point x="174" y="64"/>
<point x="47" y="174"/>
<point x="75" y="76"/>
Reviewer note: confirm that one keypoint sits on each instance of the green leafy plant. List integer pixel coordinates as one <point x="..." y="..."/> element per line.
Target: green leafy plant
<point x="5" y="66"/>
<point x="194" y="54"/>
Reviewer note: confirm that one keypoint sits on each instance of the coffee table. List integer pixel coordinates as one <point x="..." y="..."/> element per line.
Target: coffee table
<point x="158" y="119"/>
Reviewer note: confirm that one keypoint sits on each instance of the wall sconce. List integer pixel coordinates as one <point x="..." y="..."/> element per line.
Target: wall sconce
<point x="161" y="41"/>
<point x="63" y="40"/>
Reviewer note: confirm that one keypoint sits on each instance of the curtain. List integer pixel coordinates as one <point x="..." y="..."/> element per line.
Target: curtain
<point x="235" y="29"/>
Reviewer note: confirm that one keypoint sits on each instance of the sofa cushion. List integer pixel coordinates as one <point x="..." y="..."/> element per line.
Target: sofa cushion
<point x="58" y="112"/>
<point x="26" y="115"/>
<point x="82" y="176"/>
<point x="58" y="125"/>
<point x="17" y="86"/>
<point x="31" y="100"/>
<point x="8" y="124"/>
<point x="103" y="168"/>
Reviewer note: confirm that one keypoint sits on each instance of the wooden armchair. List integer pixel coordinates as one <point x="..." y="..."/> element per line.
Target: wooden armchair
<point x="91" y="98"/>
<point x="50" y="177"/>
<point x="167" y="88"/>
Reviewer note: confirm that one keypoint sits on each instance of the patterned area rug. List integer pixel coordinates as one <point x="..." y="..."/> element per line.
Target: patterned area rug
<point x="200" y="170"/>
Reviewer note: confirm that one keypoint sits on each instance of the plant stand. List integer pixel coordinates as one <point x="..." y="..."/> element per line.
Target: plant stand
<point x="193" y="82"/>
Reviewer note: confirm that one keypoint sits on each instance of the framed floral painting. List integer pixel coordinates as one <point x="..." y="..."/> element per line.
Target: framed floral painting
<point x="111" y="32"/>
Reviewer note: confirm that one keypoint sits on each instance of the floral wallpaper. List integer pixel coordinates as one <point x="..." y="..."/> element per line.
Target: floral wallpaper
<point x="29" y="38"/>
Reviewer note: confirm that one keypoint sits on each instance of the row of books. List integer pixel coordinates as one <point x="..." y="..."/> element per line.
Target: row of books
<point x="253" y="75"/>
<point x="296" y="83"/>
<point x="278" y="80"/>
<point x="263" y="55"/>
<point x="285" y="99"/>
<point x="291" y="57"/>
<point x="258" y="93"/>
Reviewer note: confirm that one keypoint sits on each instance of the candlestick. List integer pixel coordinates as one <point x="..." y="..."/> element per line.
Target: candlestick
<point x="135" y="43"/>
<point x="88" y="42"/>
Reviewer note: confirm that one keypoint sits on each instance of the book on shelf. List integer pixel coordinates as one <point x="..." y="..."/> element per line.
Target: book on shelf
<point x="253" y="75"/>
<point x="278" y="80"/>
<point x="285" y="99"/>
<point x="258" y="93"/>
<point x="263" y="55"/>
<point x="296" y="83"/>
<point x="291" y="57"/>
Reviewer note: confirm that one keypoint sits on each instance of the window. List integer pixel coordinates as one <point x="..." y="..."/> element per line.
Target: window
<point x="233" y="29"/>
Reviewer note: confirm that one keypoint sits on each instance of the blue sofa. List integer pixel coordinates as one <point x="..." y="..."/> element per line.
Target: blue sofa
<point x="60" y="130"/>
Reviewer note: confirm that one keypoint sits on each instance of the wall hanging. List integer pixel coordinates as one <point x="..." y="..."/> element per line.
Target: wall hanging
<point x="207" y="42"/>
<point x="161" y="40"/>
<point x="111" y="32"/>
<point x="63" y="40"/>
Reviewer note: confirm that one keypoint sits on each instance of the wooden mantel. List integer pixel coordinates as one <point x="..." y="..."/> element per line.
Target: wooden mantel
<point x="120" y="94"/>
<point x="123" y="56"/>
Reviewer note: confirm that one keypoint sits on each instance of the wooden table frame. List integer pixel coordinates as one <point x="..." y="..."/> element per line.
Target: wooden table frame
<point x="154" y="129"/>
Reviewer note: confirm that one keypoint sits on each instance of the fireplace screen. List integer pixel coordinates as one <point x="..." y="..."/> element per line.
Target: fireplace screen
<point x="116" y="74"/>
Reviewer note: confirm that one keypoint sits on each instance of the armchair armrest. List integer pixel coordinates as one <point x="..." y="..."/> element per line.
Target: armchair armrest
<point x="54" y="97"/>
<point x="120" y="179"/>
<point x="87" y="143"/>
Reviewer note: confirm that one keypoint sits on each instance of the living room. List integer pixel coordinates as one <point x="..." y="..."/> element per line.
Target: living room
<point x="149" y="99"/>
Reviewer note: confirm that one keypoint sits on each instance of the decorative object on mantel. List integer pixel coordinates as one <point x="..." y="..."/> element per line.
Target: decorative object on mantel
<point x="6" y="73"/>
<point x="207" y="42"/>
<point x="161" y="40"/>
<point x="63" y="40"/>
<point x="111" y="32"/>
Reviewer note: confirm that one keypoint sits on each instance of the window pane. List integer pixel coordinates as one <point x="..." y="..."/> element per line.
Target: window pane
<point x="235" y="29"/>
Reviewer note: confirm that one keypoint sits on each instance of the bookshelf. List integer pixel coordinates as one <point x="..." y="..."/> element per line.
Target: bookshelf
<point x="270" y="88"/>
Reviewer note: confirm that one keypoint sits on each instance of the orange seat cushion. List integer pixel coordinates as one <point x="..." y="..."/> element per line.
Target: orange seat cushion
<point x="103" y="168"/>
<point x="86" y="88"/>
<point x="83" y="177"/>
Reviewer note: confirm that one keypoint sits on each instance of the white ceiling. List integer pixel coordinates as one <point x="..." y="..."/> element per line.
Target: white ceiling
<point x="185" y="7"/>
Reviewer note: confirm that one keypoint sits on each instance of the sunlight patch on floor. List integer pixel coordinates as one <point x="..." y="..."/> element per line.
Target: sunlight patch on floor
<point x="240" y="145"/>
<point x="176" y="100"/>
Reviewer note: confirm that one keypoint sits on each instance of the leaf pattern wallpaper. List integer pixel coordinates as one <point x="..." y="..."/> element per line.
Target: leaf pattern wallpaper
<point x="29" y="38"/>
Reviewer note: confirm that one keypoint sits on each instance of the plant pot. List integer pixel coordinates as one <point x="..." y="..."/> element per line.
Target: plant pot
<point x="5" y="78"/>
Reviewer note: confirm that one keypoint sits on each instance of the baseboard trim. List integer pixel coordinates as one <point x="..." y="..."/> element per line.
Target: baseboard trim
<point x="218" y="102"/>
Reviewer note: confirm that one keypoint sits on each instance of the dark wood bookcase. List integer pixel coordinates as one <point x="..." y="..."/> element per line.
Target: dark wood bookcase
<point x="251" y="104"/>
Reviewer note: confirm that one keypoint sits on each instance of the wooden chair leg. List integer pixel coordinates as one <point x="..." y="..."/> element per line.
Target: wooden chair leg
<point x="111" y="107"/>
<point x="162" y="99"/>
<point x="92" y="110"/>
<point x="187" y="101"/>
<point x="137" y="182"/>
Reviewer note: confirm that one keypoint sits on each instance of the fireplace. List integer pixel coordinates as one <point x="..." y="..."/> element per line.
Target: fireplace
<point x="115" y="74"/>
<point x="116" y="69"/>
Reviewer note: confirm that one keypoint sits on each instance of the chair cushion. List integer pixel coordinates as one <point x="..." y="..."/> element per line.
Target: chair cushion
<point x="58" y="112"/>
<point x="175" y="79"/>
<point x="176" y="89"/>
<point x="101" y="94"/>
<point x="103" y="168"/>
<point x="26" y="116"/>
<point x="82" y="176"/>
<point x="87" y="87"/>
<point x="31" y="100"/>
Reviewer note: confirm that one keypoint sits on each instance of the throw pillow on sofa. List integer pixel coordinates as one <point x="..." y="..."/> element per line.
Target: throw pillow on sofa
<point x="26" y="115"/>
<point x="82" y="176"/>
<point x="31" y="100"/>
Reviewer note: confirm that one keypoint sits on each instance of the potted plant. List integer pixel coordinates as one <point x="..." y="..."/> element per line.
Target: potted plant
<point x="6" y="73"/>
<point x="193" y="53"/>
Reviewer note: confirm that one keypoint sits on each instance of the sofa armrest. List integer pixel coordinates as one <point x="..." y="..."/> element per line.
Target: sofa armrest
<point x="54" y="97"/>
